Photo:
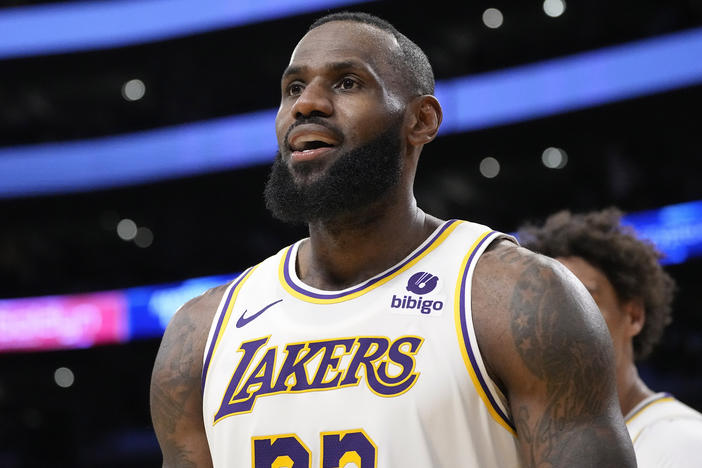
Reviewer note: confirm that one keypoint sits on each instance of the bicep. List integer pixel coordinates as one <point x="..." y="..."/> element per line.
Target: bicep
<point x="176" y="400"/>
<point x="557" y="368"/>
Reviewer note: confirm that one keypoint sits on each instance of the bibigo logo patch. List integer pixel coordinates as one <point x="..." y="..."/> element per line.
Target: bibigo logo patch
<point x="419" y="286"/>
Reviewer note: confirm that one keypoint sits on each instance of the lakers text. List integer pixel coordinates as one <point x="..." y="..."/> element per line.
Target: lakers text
<point x="387" y="366"/>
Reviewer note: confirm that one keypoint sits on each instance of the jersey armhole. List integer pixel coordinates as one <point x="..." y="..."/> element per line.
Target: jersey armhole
<point x="486" y="388"/>
<point x="219" y="324"/>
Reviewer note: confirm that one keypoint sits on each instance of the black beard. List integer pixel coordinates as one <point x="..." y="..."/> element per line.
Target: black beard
<point x="354" y="181"/>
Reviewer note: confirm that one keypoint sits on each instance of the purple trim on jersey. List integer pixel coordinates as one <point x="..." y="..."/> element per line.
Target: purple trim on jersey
<point x="219" y="325"/>
<point x="466" y="336"/>
<point x="370" y="282"/>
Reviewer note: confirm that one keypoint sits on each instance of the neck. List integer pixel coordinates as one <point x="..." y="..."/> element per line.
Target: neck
<point x="352" y="248"/>
<point x="631" y="389"/>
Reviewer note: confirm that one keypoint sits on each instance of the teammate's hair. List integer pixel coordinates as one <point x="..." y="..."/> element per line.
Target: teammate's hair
<point x="629" y="263"/>
<point x="411" y="63"/>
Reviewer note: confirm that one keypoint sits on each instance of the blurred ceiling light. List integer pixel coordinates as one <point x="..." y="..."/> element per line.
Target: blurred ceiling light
<point x="63" y="376"/>
<point x="126" y="229"/>
<point x="554" y="158"/>
<point x="489" y="167"/>
<point x="133" y="90"/>
<point x="554" y="8"/>
<point x="492" y="17"/>
<point x="144" y="237"/>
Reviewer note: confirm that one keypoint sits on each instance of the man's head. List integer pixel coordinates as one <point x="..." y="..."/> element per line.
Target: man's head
<point x="356" y="110"/>
<point x="622" y="273"/>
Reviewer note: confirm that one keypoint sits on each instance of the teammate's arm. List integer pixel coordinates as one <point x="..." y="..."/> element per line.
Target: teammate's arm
<point x="549" y="349"/>
<point x="176" y="398"/>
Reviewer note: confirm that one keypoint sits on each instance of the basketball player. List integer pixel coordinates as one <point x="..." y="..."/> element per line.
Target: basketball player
<point x="388" y="338"/>
<point x="634" y="295"/>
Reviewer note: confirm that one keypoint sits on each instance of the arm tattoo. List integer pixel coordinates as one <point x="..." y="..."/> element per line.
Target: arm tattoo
<point x="561" y="349"/>
<point x="175" y="389"/>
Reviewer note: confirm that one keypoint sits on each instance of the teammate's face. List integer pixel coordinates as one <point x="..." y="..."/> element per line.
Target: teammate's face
<point x="337" y="96"/>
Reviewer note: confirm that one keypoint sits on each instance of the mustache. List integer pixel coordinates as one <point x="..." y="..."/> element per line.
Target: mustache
<point x="313" y="119"/>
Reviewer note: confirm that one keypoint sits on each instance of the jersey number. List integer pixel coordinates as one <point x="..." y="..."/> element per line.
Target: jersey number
<point x="338" y="450"/>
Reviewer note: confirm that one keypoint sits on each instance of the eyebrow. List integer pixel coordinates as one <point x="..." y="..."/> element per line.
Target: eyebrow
<point x="335" y="66"/>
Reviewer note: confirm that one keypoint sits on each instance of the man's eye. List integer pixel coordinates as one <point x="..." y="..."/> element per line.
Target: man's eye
<point x="294" y="89"/>
<point x="347" y="83"/>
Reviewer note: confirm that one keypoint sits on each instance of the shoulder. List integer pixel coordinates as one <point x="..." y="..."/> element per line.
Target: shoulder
<point x="195" y="316"/>
<point x="510" y="279"/>
<point x="530" y="307"/>
<point x="546" y="345"/>
<point x="175" y="397"/>
<point x="511" y="265"/>
<point x="183" y="343"/>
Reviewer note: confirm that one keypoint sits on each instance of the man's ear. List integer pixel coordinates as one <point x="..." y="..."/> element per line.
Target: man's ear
<point x="635" y="314"/>
<point x="425" y="121"/>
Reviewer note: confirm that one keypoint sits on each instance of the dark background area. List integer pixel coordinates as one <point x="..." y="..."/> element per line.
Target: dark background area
<point x="637" y="154"/>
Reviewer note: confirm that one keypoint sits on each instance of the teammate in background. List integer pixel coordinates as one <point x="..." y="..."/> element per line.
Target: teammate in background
<point x="388" y="338"/>
<point x="634" y="294"/>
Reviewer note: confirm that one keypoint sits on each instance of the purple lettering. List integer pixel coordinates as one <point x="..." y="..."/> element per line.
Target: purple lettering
<point x="292" y="366"/>
<point x="267" y="450"/>
<point x="261" y="378"/>
<point x="402" y="359"/>
<point x="396" y="302"/>
<point x="362" y="357"/>
<point x="340" y="448"/>
<point x="329" y="362"/>
<point x="250" y="348"/>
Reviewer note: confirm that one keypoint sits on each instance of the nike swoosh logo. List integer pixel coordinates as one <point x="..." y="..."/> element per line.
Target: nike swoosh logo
<point x="244" y="320"/>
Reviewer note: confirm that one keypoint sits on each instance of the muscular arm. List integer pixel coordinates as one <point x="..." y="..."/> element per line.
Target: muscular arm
<point x="176" y="399"/>
<point x="549" y="349"/>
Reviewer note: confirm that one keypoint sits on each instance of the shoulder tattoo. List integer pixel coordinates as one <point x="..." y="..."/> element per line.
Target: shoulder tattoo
<point x="562" y="347"/>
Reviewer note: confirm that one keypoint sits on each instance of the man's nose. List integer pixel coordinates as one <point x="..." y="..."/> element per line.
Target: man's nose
<point x="314" y="100"/>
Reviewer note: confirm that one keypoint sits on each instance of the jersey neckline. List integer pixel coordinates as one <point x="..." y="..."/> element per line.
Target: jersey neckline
<point x="645" y="403"/>
<point x="293" y="285"/>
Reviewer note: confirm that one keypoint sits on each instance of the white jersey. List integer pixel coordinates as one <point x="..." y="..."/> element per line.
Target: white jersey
<point x="666" y="433"/>
<point x="383" y="374"/>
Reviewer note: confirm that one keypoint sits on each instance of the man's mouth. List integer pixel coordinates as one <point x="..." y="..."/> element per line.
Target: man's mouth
<point x="307" y="142"/>
<point x="311" y="145"/>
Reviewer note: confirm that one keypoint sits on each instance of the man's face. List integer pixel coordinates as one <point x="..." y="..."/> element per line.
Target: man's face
<point x="339" y="126"/>
<point x="336" y="97"/>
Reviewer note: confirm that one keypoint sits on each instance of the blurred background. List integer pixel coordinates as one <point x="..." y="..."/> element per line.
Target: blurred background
<point x="135" y="140"/>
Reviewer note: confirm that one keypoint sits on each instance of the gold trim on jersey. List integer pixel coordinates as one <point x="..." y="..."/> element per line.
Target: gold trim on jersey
<point x="352" y="457"/>
<point x="302" y="294"/>
<point x="638" y="412"/>
<point x="283" y="460"/>
<point x="647" y="405"/>
<point x="463" y="342"/>
<point x="225" y="320"/>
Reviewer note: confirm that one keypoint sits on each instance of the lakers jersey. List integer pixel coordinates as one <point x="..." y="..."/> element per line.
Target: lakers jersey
<point x="383" y="374"/>
<point x="665" y="433"/>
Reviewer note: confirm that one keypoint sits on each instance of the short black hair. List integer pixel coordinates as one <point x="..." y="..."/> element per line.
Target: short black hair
<point x="412" y="64"/>
<point x="629" y="263"/>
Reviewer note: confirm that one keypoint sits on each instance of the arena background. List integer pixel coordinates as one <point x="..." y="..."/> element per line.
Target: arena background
<point x="135" y="138"/>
